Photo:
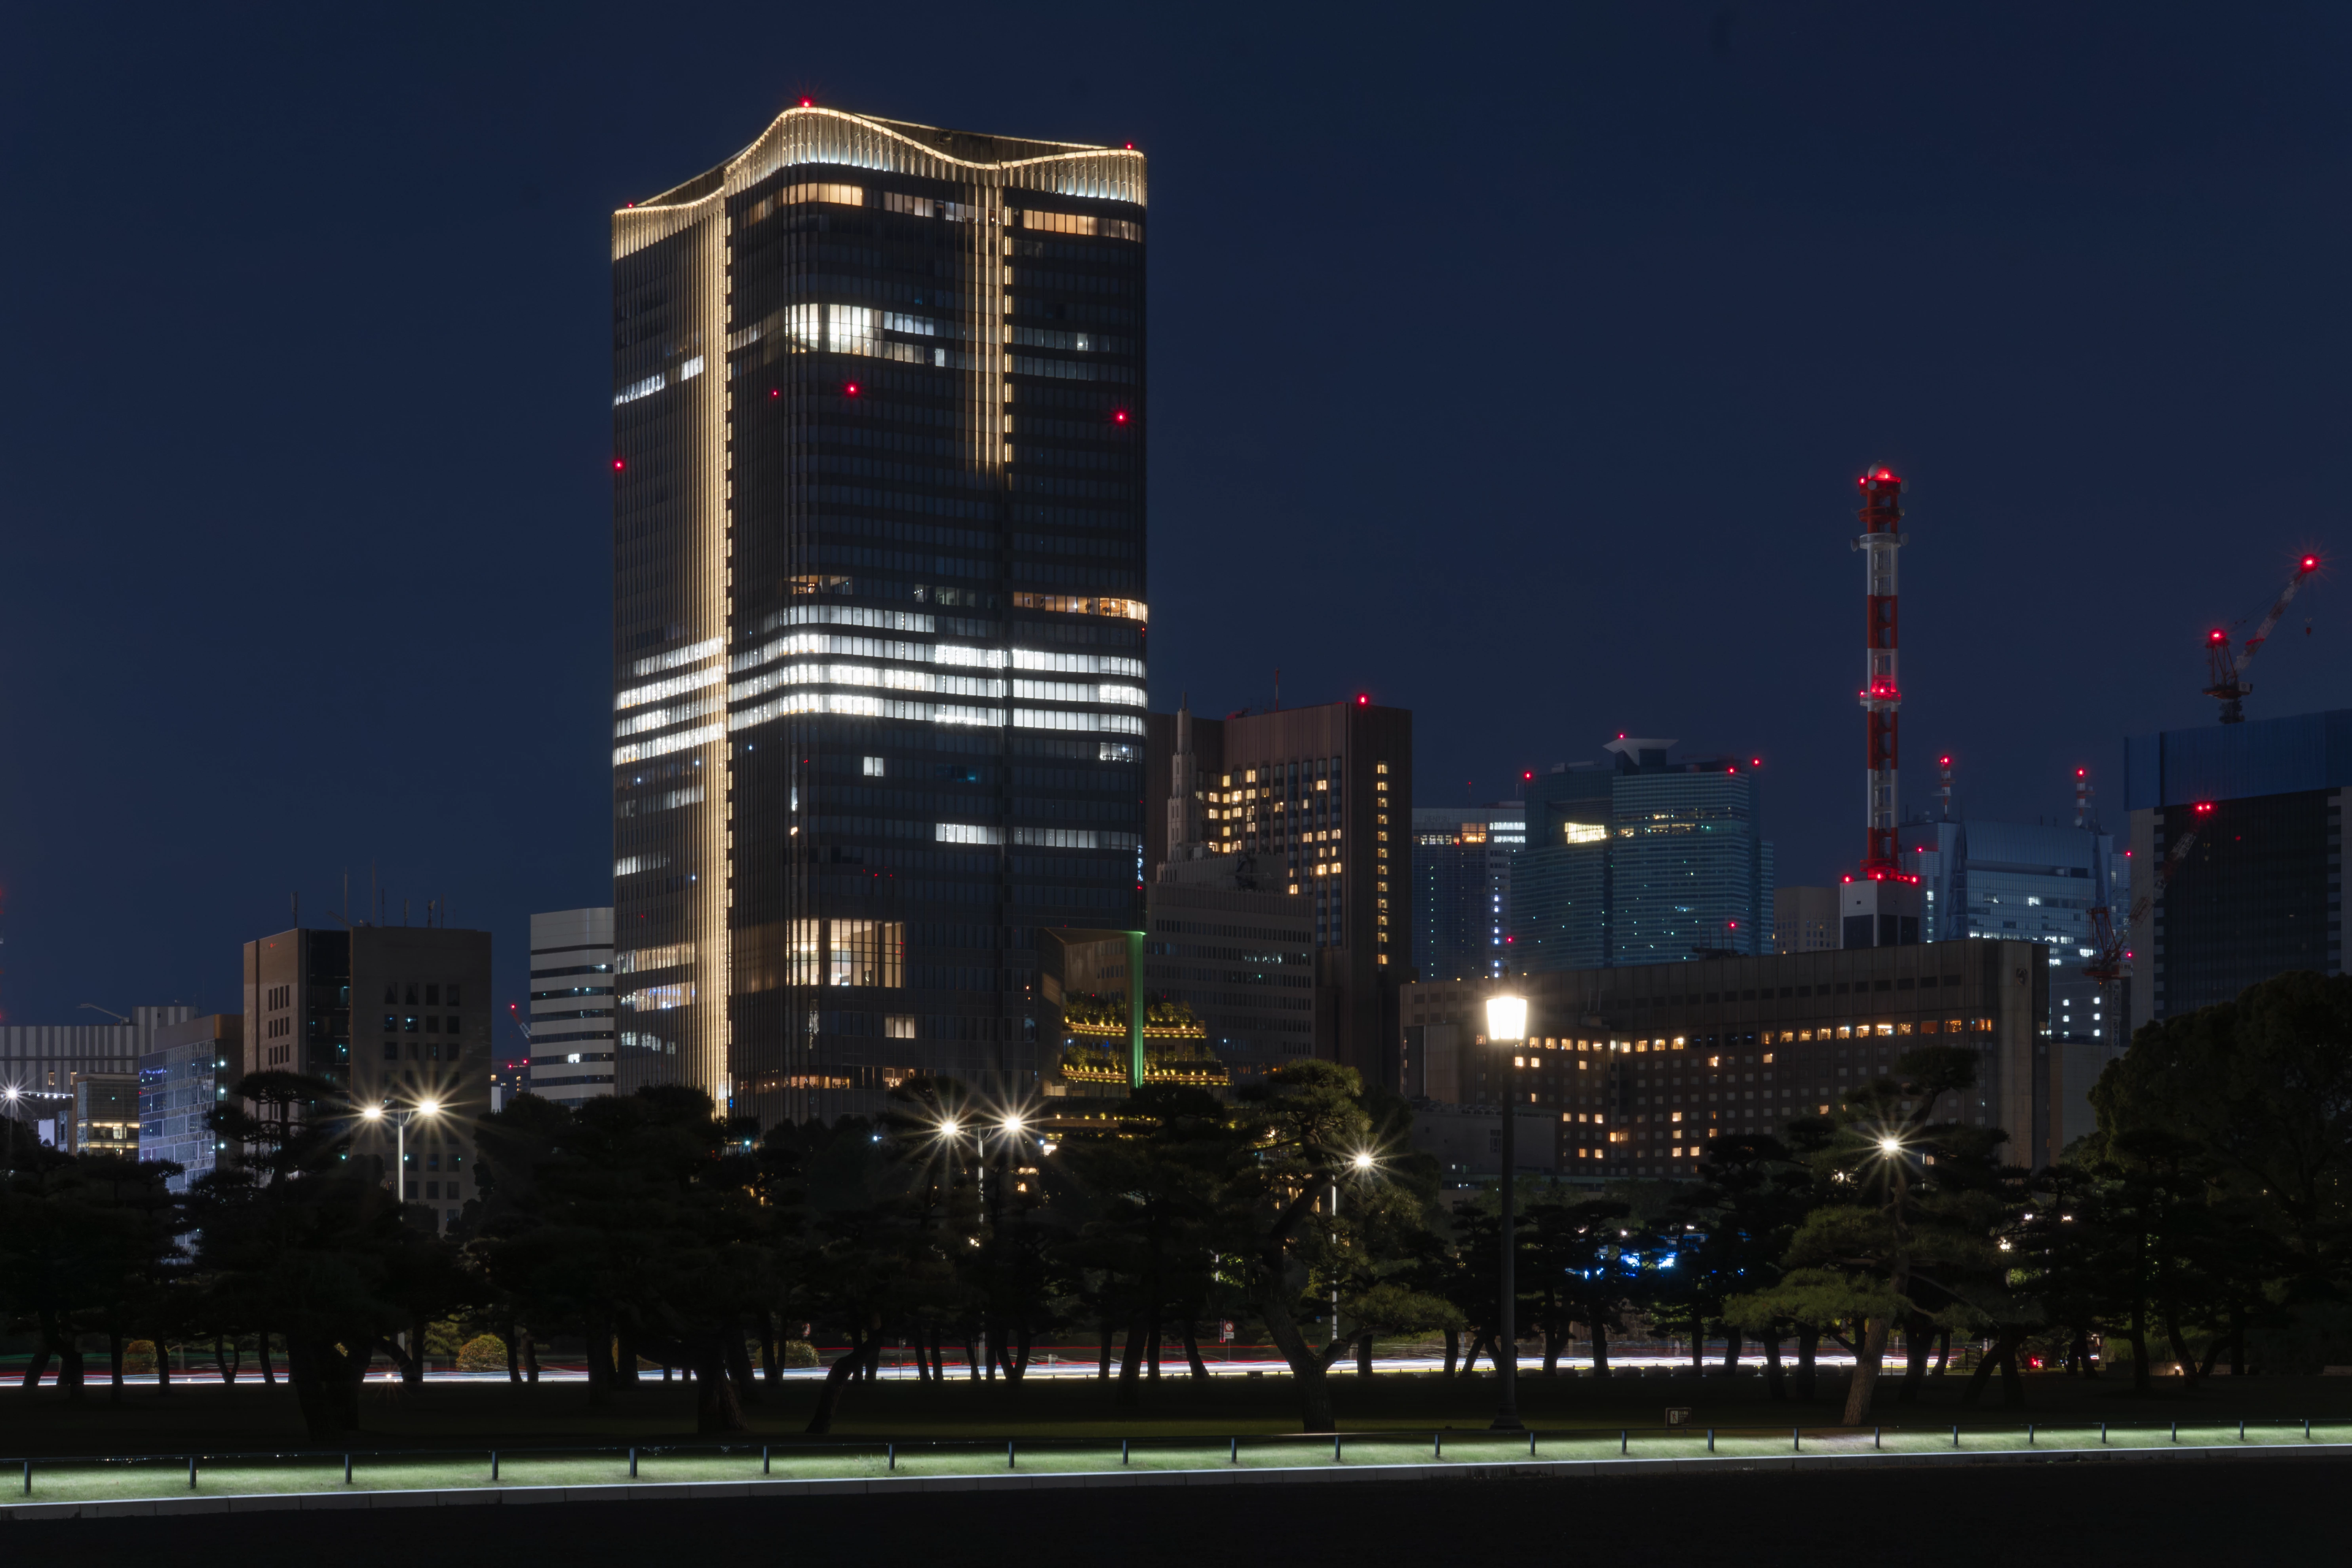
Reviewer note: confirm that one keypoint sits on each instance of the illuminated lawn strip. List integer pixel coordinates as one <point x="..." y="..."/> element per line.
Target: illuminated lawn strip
<point x="165" y="1479"/>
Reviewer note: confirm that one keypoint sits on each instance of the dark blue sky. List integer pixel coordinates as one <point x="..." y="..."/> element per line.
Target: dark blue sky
<point x="1510" y="365"/>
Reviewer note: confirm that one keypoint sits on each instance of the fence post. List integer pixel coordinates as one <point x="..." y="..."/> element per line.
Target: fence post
<point x="892" y="1450"/>
<point x="2176" y="1428"/>
<point x="1008" y="1453"/>
<point x="1236" y="1454"/>
<point x="2306" y="1437"/>
<point x="192" y="1472"/>
<point x="1710" y="1439"/>
<point x="2028" y="1434"/>
<point x="1531" y="1442"/>
<point x="1122" y="1450"/>
<point x="2241" y="1428"/>
<point x="633" y="1462"/>
<point x="1335" y="1447"/>
<point x="1956" y="1436"/>
<point x="2102" y="1433"/>
<point x="1877" y="1436"/>
<point x="28" y="1464"/>
<point x="1437" y="1441"/>
<point x="494" y="1464"/>
<point x="347" y="1466"/>
<point x="764" y="1458"/>
<point x="1621" y="1442"/>
<point x="1796" y="1439"/>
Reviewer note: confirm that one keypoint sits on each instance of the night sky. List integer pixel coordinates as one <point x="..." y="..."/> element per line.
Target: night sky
<point x="1513" y="367"/>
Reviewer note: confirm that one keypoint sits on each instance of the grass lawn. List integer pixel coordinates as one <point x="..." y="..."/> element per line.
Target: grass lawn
<point x="1067" y="1423"/>
<point x="65" y="1479"/>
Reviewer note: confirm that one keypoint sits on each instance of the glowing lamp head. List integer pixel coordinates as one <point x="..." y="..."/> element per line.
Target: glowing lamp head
<point x="429" y="1108"/>
<point x="1890" y="1145"/>
<point x="2216" y="635"/>
<point x="370" y="1112"/>
<point x="951" y="1127"/>
<point x="808" y="103"/>
<point x="1119" y="417"/>
<point x="1363" y="1162"/>
<point x="1506" y="1019"/>
<point x="1013" y="1124"/>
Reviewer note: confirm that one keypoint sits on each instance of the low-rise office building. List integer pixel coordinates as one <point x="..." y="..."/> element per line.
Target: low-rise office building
<point x="39" y="1062"/>
<point x="102" y="1114"/>
<point x="186" y="1073"/>
<point x="1634" y="1069"/>
<point x="398" y="1015"/>
<point x="572" y="1032"/>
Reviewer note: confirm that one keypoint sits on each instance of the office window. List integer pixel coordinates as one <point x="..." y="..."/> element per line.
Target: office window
<point x="392" y="1050"/>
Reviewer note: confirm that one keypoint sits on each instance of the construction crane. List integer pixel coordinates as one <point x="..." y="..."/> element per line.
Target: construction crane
<point x="2230" y="664"/>
<point x="2109" y="958"/>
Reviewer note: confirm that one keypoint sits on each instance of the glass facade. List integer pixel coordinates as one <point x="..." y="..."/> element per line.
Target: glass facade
<point x="2261" y="891"/>
<point x="1645" y="862"/>
<point x="2256" y="896"/>
<point x="186" y="1073"/>
<point x="879" y="605"/>
<point x="1462" y="860"/>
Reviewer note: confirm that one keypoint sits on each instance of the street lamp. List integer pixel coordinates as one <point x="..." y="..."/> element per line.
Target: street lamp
<point x="400" y="1119"/>
<point x="1506" y="1024"/>
<point x="10" y="1094"/>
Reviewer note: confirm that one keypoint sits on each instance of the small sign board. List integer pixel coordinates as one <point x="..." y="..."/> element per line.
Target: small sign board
<point x="1678" y="1414"/>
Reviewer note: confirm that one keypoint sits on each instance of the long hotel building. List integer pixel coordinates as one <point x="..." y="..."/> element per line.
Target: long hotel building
<point x="880" y="604"/>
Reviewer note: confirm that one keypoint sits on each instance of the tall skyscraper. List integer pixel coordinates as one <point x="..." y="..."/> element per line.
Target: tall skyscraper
<point x="1462" y="887"/>
<point x="1641" y="860"/>
<point x="878" y="636"/>
<point x="1318" y="800"/>
<point x="2260" y="889"/>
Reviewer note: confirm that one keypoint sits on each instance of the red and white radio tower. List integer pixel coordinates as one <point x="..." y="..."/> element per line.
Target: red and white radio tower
<point x="1882" y="697"/>
<point x="1882" y="907"/>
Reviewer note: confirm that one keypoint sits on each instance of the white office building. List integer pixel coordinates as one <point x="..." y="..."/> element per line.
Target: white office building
<point x="571" y="1004"/>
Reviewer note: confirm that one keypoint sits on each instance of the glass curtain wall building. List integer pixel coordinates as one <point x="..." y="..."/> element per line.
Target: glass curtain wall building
<point x="880" y="604"/>
<point x="1462" y="887"/>
<point x="2259" y="890"/>
<point x="1642" y="860"/>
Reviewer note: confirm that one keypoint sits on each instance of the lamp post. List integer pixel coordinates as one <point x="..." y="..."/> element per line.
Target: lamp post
<point x="12" y="1094"/>
<point x="1506" y="1024"/>
<point x="400" y="1119"/>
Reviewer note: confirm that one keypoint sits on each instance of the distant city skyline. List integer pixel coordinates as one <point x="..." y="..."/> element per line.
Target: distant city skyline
<point x="310" y="624"/>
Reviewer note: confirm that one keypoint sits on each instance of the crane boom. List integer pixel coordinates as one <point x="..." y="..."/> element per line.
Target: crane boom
<point x="2107" y="965"/>
<point x="2228" y="665"/>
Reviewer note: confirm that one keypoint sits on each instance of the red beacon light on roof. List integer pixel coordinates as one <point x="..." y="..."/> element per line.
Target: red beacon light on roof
<point x="1363" y="700"/>
<point x="2203" y="807"/>
<point x="2311" y="563"/>
<point x="618" y="465"/>
<point x="808" y="103"/>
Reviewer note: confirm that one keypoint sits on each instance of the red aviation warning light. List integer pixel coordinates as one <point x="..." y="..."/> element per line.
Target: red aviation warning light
<point x="618" y="465"/>
<point x="1363" y="700"/>
<point x="1119" y="417"/>
<point x="2227" y="665"/>
<point x="850" y="390"/>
